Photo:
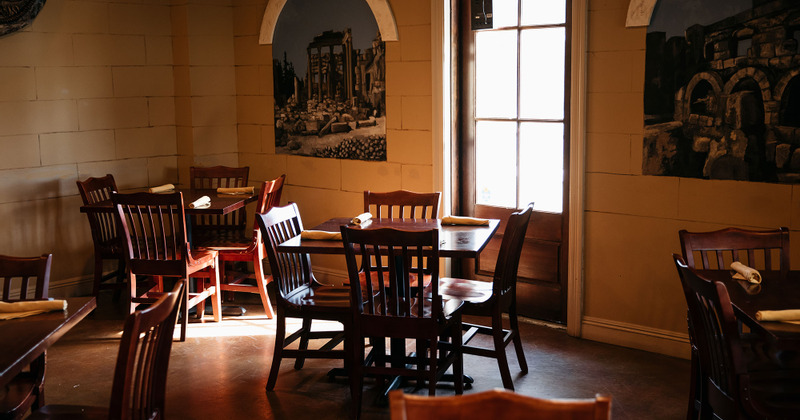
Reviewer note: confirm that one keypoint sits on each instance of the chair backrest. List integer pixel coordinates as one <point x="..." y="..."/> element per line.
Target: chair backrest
<point x="498" y="404"/>
<point x="140" y="376"/>
<point x="20" y="273"/>
<point x="762" y="250"/>
<point x="715" y="330"/>
<point x="219" y="177"/>
<point x="402" y="204"/>
<point x="269" y="197"/>
<point x="153" y="228"/>
<point x="104" y="229"/>
<point x="290" y="271"/>
<point x="405" y="252"/>
<point x="505" y="271"/>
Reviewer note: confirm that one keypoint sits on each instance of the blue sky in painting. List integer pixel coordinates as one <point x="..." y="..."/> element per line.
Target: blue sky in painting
<point x="674" y="16"/>
<point x="301" y="20"/>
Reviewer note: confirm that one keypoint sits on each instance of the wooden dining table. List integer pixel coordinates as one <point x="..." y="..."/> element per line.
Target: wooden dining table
<point x="25" y="339"/>
<point x="220" y="203"/>
<point x="455" y="241"/>
<point x="775" y="292"/>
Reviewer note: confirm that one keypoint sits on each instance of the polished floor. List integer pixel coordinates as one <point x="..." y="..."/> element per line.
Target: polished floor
<point x="221" y="370"/>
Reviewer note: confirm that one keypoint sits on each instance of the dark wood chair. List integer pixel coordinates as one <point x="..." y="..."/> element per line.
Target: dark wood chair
<point x="498" y="404"/>
<point x="300" y="295"/>
<point x="402" y="311"/>
<point x="760" y="249"/>
<point x="140" y="375"/>
<point x="153" y="228"/>
<point x="495" y="298"/>
<point x="232" y="225"/>
<point x="402" y="204"/>
<point x="105" y="235"/>
<point x="248" y="249"/>
<point x="730" y="390"/>
<point x="20" y="275"/>
<point x="716" y="250"/>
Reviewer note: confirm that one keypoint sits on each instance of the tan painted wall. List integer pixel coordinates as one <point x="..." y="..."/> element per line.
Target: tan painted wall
<point x="632" y="221"/>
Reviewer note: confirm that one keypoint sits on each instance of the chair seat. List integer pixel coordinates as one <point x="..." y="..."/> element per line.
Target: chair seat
<point x="223" y="240"/>
<point x="202" y="257"/>
<point x="17" y="393"/>
<point x="69" y="412"/>
<point x="470" y="291"/>
<point x="326" y="297"/>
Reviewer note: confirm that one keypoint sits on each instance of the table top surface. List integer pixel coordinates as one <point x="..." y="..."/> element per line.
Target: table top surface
<point x="456" y="241"/>
<point x="220" y="203"/>
<point x="773" y="293"/>
<point x="24" y="339"/>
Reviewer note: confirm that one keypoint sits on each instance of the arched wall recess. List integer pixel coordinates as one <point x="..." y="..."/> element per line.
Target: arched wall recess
<point x="640" y="12"/>
<point x="380" y="9"/>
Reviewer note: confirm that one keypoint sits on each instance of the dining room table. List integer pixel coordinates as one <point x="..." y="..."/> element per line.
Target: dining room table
<point x="776" y="291"/>
<point x="25" y="339"/>
<point x="455" y="241"/>
<point x="220" y="203"/>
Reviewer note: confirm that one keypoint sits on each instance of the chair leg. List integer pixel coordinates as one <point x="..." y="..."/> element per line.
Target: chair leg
<point x="458" y="362"/>
<point x="277" y="353"/>
<point x="120" y="279"/>
<point x="216" y="298"/>
<point x="514" y="325"/>
<point x="185" y="309"/>
<point x="98" y="274"/>
<point x="261" y="283"/>
<point x="200" y="285"/>
<point x="132" y="289"/>
<point x="433" y="365"/>
<point x="303" y="345"/>
<point x="356" y="374"/>
<point x="500" y="350"/>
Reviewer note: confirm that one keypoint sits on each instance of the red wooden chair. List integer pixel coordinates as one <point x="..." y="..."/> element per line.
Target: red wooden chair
<point x="19" y="275"/>
<point x="105" y="235"/>
<point x="140" y="376"/>
<point x="249" y="249"/>
<point x="300" y="295"/>
<point x="498" y="404"/>
<point x="495" y="298"/>
<point x="153" y="227"/>
<point x="400" y="311"/>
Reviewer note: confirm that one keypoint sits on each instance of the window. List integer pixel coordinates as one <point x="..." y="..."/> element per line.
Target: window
<point x="519" y="106"/>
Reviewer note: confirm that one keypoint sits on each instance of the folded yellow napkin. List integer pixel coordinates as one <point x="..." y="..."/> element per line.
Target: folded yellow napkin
<point x="201" y="203"/>
<point x="744" y="272"/>
<point x="162" y="188"/>
<point x="237" y="190"/>
<point x="361" y="219"/>
<point x="463" y="220"/>
<point x="11" y="310"/>
<point x="320" y="235"/>
<point x="787" y="315"/>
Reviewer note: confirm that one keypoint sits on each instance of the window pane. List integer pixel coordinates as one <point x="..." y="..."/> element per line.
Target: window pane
<point x="541" y="173"/>
<point x="496" y="163"/>
<point x="504" y="13"/>
<point x="543" y="12"/>
<point x="496" y="74"/>
<point x="542" y="73"/>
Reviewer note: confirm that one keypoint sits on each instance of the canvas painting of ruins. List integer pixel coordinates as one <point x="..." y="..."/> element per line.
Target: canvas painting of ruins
<point x="329" y="81"/>
<point x="722" y="90"/>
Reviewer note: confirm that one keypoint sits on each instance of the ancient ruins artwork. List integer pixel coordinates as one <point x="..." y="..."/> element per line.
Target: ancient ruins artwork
<point x="722" y="90"/>
<point x="329" y="81"/>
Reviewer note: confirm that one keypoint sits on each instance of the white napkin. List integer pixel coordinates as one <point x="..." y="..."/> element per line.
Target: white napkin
<point x="201" y="203"/>
<point x="361" y="219"/>
<point x="321" y="235"/>
<point x="786" y="315"/>
<point x="237" y="190"/>
<point x="11" y="310"/>
<point x="162" y="188"/>
<point x="744" y="272"/>
<point x="464" y="220"/>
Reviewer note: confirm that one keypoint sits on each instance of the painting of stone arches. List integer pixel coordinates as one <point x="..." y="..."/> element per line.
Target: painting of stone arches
<point x="722" y="90"/>
<point x="329" y="81"/>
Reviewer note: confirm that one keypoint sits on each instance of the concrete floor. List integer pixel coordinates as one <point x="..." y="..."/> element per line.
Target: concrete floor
<point x="221" y="370"/>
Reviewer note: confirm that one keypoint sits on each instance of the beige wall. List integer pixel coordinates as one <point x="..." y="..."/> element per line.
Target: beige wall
<point x="632" y="221"/>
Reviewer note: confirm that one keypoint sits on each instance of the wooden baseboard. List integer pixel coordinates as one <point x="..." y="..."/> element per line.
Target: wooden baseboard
<point x="635" y="336"/>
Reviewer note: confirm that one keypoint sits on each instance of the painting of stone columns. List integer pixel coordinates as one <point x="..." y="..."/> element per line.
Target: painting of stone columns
<point x="329" y="81"/>
<point x="722" y="90"/>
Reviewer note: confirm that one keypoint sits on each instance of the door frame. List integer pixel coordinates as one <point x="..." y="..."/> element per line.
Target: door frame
<point x="442" y="103"/>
